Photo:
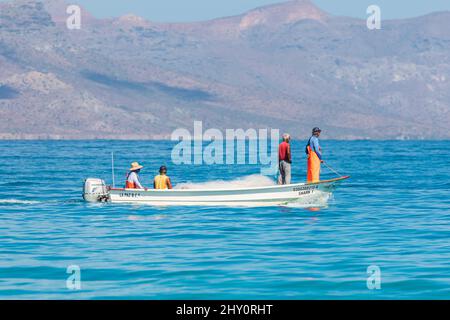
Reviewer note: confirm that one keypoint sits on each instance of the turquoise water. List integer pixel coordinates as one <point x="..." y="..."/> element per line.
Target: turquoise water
<point x="394" y="213"/>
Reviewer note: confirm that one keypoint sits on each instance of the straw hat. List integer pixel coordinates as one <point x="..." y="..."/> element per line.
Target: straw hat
<point x="135" y="166"/>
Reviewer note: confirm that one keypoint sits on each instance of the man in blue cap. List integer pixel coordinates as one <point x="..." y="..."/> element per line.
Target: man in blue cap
<point x="314" y="152"/>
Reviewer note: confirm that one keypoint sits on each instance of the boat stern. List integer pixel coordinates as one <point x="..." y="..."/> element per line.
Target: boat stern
<point x="95" y="190"/>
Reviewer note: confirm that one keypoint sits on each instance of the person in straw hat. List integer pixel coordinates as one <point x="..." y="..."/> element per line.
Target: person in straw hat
<point x="132" y="181"/>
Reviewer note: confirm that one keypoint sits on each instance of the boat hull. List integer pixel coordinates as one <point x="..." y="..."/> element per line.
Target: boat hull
<point x="260" y="196"/>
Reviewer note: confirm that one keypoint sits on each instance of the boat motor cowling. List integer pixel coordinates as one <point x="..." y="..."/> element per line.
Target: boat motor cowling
<point x="95" y="190"/>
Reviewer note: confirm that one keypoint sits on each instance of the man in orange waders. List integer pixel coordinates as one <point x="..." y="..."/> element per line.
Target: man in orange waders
<point x="314" y="153"/>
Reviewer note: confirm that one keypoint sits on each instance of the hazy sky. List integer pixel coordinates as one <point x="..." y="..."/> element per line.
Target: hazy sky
<point x="193" y="10"/>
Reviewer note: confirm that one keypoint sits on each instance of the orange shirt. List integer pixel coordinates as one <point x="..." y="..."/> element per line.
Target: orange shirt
<point x="161" y="182"/>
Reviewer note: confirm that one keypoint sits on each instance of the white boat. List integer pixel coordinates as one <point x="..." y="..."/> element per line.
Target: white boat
<point x="95" y="190"/>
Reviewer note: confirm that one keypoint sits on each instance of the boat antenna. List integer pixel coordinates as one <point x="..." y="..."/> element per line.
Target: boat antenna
<point x="112" y="170"/>
<point x="339" y="175"/>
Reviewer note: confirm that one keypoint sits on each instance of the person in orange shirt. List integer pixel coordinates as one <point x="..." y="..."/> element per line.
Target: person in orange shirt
<point x="314" y="152"/>
<point x="162" y="181"/>
<point x="132" y="181"/>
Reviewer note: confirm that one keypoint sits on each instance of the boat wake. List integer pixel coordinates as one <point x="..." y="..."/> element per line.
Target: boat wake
<point x="30" y="202"/>
<point x="16" y="201"/>
<point x="319" y="199"/>
<point x="248" y="181"/>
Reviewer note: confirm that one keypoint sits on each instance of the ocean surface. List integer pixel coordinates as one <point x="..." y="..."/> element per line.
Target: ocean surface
<point x="393" y="214"/>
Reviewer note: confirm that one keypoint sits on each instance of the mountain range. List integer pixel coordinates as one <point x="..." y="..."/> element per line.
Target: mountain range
<point x="289" y="66"/>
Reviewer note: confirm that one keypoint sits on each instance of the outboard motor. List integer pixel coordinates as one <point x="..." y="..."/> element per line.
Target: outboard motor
<point x="95" y="190"/>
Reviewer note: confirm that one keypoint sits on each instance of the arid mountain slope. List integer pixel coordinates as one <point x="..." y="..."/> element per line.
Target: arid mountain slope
<point x="289" y="66"/>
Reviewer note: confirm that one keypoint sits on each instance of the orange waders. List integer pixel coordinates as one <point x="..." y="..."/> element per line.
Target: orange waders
<point x="313" y="174"/>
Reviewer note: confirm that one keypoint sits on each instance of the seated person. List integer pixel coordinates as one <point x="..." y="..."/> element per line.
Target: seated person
<point x="162" y="181"/>
<point x="133" y="177"/>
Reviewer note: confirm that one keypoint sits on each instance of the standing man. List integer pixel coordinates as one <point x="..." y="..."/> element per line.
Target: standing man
<point x="314" y="153"/>
<point x="284" y="160"/>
